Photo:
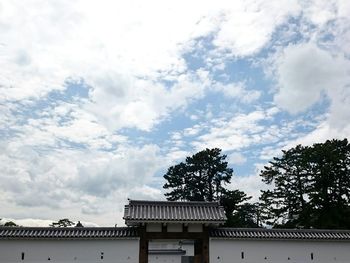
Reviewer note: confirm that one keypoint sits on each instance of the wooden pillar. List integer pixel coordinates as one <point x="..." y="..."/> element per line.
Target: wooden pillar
<point x="205" y="245"/>
<point x="143" y="251"/>
<point x="198" y="251"/>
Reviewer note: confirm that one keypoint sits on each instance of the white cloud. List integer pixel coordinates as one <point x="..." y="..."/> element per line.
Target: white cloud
<point x="61" y="156"/>
<point x="236" y="158"/>
<point x="113" y="45"/>
<point x="237" y="91"/>
<point x="142" y="103"/>
<point x="248" y="25"/>
<point x="192" y="131"/>
<point x="324" y="131"/>
<point x="250" y="184"/>
<point x="82" y="184"/>
<point x="239" y="131"/>
<point x="320" y="11"/>
<point x="304" y="72"/>
<point x="176" y="155"/>
<point x="33" y="222"/>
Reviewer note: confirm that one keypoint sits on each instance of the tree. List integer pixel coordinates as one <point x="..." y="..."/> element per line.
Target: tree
<point x="247" y="215"/>
<point x="290" y="175"/>
<point x="8" y="223"/>
<point x="202" y="177"/>
<point x="310" y="187"/>
<point x="79" y="224"/>
<point x="330" y="195"/>
<point x="65" y="222"/>
<point x="239" y="214"/>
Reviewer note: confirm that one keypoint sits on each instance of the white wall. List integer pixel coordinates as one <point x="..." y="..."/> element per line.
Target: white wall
<point x="127" y="251"/>
<point x="164" y="258"/>
<point x="255" y="251"/>
<point x="70" y="251"/>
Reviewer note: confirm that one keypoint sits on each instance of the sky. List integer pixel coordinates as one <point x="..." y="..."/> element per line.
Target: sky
<point x="99" y="98"/>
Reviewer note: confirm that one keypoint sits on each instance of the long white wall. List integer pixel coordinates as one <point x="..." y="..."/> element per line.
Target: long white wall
<point x="260" y="251"/>
<point x="70" y="251"/>
<point x="127" y="251"/>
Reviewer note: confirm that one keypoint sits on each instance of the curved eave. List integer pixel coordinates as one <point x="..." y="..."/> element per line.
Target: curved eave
<point x="280" y="234"/>
<point x="68" y="233"/>
<point x="140" y="222"/>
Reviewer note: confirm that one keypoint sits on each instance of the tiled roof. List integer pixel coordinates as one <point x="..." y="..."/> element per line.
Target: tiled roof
<point x="131" y="232"/>
<point x="257" y="233"/>
<point x="67" y="232"/>
<point x="166" y="211"/>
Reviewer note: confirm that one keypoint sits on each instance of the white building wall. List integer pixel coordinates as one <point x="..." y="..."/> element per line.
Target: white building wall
<point x="259" y="251"/>
<point x="164" y="259"/>
<point x="152" y="227"/>
<point x="70" y="251"/>
<point x="127" y="251"/>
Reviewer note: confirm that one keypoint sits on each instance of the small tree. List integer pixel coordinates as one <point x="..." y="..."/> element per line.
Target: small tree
<point x="65" y="222"/>
<point x="8" y="223"/>
<point x="79" y="224"/>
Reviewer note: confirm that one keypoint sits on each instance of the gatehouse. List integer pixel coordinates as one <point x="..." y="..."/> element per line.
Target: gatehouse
<point x="172" y="232"/>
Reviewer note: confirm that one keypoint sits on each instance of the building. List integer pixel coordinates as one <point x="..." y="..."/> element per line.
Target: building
<point x="172" y="232"/>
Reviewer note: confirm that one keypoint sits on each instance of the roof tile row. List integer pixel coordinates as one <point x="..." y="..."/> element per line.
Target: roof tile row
<point x="145" y="211"/>
<point x="130" y="232"/>
<point x="67" y="232"/>
<point x="309" y="234"/>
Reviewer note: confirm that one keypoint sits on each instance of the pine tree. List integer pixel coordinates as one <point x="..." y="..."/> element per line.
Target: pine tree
<point x="310" y="187"/>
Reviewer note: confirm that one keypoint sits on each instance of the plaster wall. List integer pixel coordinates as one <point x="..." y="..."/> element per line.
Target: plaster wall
<point x="70" y="251"/>
<point x="174" y="227"/>
<point x="278" y="251"/>
<point x="154" y="227"/>
<point x="195" y="228"/>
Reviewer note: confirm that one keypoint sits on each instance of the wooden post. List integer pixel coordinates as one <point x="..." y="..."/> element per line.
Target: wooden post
<point x="205" y="244"/>
<point x="198" y="251"/>
<point x="143" y="251"/>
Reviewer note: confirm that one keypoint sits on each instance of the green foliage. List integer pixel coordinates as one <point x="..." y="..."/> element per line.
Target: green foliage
<point x="247" y="215"/>
<point x="79" y="224"/>
<point x="203" y="177"/>
<point x="239" y="214"/>
<point x="8" y="223"/>
<point x="65" y="222"/>
<point x="310" y="187"/>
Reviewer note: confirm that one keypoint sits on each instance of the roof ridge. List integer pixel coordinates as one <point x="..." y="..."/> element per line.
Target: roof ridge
<point x="171" y="202"/>
<point x="63" y="228"/>
<point x="285" y="230"/>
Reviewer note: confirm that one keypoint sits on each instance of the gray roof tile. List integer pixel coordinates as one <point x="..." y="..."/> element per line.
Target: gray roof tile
<point x="138" y="211"/>
<point x="261" y="233"/>
<point x="131" y="232"/>
<point x="67" y="232"/>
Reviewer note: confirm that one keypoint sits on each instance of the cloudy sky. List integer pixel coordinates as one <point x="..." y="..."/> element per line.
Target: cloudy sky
<point x="98" y="98"/>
